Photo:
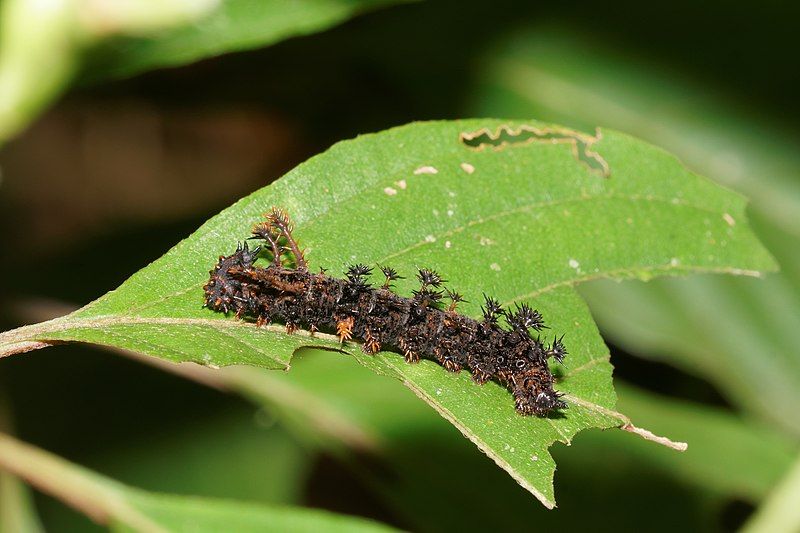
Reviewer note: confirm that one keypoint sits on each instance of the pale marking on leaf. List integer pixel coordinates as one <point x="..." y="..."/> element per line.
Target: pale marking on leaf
<point x="389" y="191"/>
<point x="466" y="167"/>
<point x="729" y="219"/>
<point x="505" y="136"/>
<point x="426" y="170"/>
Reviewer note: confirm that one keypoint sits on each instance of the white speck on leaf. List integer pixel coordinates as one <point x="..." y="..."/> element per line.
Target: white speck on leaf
<point x="448" y="244"/>
<point x="486" y="241"/>
<point x="402" y="184"/>
<point x="574" y="264"/>
<point x="494" y="266"/>
<point x="466" y="167"/>
<point x="430" y="238"/>
<point x="729" y="219"/>
<point x="426" y="170"/>
<point x="449" y="212"/>
<point x="674" y="261"/>
<point x="389" y="191"/>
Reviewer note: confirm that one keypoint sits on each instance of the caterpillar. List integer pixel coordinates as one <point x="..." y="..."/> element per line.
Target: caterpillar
<point x="422" y="325"/>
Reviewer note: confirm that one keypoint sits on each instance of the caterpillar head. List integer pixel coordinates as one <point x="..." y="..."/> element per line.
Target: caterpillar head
<point x="541" y="403"/>
<point x="223" y="291"/>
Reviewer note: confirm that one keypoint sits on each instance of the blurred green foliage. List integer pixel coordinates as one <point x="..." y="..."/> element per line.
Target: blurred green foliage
<point x="713" y="83"/>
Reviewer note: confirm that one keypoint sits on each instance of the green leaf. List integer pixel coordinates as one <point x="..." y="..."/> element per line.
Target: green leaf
<point x="129" y="509"/>
<point x="525" y="221"/>
<point x="235" y="25"/>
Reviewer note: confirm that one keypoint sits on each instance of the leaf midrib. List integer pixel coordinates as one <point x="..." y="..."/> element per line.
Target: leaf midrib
<point x="66" y="323"/>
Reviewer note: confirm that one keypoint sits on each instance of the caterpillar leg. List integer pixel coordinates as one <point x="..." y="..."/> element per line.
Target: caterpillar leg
<point x="344" y="328"/>
<point x="371" y="344"/>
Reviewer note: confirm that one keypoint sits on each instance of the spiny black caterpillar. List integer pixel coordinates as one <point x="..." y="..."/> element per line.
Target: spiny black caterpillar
<point x="419" y="326"/>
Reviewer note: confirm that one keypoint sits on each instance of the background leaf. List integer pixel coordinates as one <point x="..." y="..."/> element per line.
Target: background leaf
<point x="235" y="25"/>
<point x="549" y="223"/>
<point x="128" y="509"/>
<point x="43" y="46"/>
